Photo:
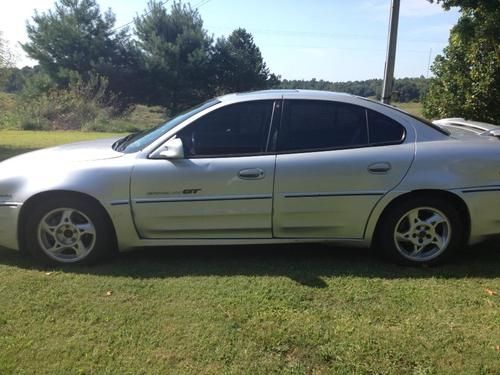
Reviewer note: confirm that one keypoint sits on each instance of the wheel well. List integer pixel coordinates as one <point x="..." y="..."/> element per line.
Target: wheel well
<point x="442" y="194"/>
<point x="47" y="196"/>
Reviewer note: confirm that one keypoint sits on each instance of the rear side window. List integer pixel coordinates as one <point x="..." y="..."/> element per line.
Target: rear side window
<point x="383" y="130"/>
<point x="236" y="129"/>
<point x="316" y="125"/>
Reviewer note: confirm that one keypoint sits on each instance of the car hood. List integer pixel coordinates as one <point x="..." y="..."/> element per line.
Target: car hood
<point x="100" y="149"/>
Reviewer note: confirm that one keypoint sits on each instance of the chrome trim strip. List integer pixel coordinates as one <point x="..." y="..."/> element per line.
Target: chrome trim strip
<point x="119" y="203"/>
<point x="341" y="194"/>
<point x="480" y="190"/>
<point x="10" y="204"/>
<point x="204" y="199"/>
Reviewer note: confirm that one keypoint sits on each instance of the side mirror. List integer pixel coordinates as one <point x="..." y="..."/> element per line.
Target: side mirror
<point x="172" y="149"/>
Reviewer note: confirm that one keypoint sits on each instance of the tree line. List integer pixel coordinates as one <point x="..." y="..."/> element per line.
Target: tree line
<point x="405" y="89"/>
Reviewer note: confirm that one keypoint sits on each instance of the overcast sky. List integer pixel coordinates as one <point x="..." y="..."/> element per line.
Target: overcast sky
<point x="335" y="40"/>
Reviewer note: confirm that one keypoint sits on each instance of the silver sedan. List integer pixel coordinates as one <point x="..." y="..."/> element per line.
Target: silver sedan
<point x="259" y="168"/>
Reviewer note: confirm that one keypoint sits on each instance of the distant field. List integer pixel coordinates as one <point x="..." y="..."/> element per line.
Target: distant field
<point x="308" y="309"/>
<point x="412" y="107"/>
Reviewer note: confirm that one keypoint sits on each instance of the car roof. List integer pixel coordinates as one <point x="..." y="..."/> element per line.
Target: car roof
<point x="287" y="94"/>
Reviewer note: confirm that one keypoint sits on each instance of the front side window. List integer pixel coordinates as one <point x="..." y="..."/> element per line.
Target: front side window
<point x="236" y="129"/>
<point x="318" y="125"/>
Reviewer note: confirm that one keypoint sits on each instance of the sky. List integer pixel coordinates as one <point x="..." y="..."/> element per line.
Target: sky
<point x="334" y="40"/>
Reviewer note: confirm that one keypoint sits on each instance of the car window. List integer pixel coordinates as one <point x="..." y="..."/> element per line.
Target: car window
<point x="136" y="142"/>
<point x="383" y="130"/>
<point x="317" y="125"/>
<point x="236" y="129"/>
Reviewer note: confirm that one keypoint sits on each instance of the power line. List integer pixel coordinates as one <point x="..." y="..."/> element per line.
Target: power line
<point x="197" y="6"/>
<point x="145" y="14"/>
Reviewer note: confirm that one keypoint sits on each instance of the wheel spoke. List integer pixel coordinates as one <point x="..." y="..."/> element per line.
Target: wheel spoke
<point x="406" y="237"/>
<point x="85" y="228"/>
<point x="56" y="248"/>
<point x="435" y="220"/>
<point x="417" y="249"/>
<point x="413" y="217"/>
<point x="438" y="241"/>
<point x="66" y="216"/>
<point x="79" y="248"/>
<point x="48" y="229"/>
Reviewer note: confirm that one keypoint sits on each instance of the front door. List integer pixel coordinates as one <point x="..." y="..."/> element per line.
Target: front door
<point x="221" y="189"/>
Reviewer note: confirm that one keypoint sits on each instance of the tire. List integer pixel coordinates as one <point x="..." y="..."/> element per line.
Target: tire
<point x="68" y="231"/>
<point x="421" y="231"/>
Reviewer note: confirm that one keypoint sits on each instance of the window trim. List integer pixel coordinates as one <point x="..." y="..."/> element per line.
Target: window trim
<point x="310" y="150"/>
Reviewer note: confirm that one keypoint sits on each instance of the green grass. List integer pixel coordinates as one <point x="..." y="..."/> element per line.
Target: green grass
<point x="308" y="309"/>
<point x="411" y="107"/>
<point x="13" y="142"/>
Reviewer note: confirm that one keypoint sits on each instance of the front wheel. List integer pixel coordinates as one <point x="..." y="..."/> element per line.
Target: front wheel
<point x="422" y="231"/>
<point x="68" y="231"/>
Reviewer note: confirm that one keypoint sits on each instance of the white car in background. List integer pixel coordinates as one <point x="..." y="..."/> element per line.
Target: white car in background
<point x="460" y="126"/>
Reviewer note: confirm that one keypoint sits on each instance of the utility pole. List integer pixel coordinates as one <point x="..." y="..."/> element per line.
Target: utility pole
<point x="429" y="63"/>
<point x="391" y="53"/>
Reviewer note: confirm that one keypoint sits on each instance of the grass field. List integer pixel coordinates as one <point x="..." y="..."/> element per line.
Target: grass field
<point x="309" y="309"/>
<point x="411" y="107"/>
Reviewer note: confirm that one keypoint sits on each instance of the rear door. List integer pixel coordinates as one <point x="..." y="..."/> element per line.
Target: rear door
<point x="221" y="189"/>
<point x="335" y="161"/>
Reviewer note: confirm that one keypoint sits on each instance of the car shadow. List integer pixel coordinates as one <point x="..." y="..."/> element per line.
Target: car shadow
<point x="305" y="264"/>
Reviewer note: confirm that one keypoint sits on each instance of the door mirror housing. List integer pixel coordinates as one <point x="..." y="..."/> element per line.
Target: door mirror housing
<point x="172" y="149"/>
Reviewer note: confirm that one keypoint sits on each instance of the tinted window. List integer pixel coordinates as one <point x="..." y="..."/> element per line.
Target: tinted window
<point x="138" y="141"/>
<point x="382" y="129"/>
<point x="235" y="129"/>
<point x="315" y="125"/>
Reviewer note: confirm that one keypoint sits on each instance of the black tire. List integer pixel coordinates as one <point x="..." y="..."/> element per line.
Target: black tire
<point x="395" y="225"/>
<point x="86" y="213"/>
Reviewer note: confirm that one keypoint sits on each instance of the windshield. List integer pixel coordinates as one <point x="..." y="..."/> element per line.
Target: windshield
<point x="137" y="141"/>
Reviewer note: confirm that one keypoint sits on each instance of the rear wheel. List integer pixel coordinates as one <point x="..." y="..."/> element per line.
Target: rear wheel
<point x="67" y="230"/>
<point x="422" y="231"/>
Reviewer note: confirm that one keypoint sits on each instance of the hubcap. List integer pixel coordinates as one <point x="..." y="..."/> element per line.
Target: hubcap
<point x="66" y="235"/>
<point x="422" y="234"/>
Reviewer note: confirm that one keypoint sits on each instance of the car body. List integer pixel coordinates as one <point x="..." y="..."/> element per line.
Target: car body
<point x="276" y="166"/>
<point x="460" y="126"/>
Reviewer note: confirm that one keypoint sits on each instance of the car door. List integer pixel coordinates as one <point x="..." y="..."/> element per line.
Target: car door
<point x="222" y="188"/>
<point x="335" y="161"/>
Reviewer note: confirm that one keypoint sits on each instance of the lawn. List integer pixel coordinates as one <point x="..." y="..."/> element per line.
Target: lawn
<point x="308" y="309"/>
<point x="415" y="108"/>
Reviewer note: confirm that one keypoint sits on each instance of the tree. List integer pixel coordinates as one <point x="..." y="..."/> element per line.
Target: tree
<point x="6" y="60"/>
<point x="77" y="37"/>
<point x="176" y="51"/>
<point x="239" y="65"/>
<point x="467" y="75"/>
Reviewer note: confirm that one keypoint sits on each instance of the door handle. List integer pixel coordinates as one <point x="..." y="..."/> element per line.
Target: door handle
<point x="251" y="174"/>
<point x="380" y="167"/>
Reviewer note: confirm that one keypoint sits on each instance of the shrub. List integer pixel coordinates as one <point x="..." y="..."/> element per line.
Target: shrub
<point x="80" y="106"/>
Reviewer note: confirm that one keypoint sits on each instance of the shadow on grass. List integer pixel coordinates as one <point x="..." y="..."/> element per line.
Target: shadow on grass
<point x="306" y="264"/>
<point x="8" y="152"/>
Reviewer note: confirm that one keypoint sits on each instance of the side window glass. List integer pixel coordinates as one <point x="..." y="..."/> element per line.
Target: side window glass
<point x="240" y="128"/>
<point x="384" y="130"/>
<point x="316" y="125"/>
